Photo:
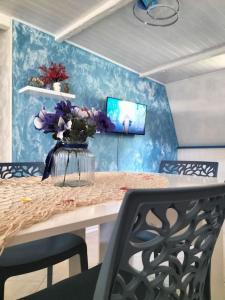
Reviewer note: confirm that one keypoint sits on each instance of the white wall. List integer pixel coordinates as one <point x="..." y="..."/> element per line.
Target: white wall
<point x="198" y="109"/>
<point x="205" y="154"/>
<point x="5" y="95"/>
<point x="212" y="154"/>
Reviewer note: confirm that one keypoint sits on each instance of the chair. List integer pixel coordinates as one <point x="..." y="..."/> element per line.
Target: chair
<point x="196" y="168"/>
<point x="191" y="168"/>
<point x="43" y="253"/>
<point x="21" y="169"/>
<point x="178" y="272"/>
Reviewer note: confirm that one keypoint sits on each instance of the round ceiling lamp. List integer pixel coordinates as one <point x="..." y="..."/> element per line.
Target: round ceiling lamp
<point x="157" y="12"/>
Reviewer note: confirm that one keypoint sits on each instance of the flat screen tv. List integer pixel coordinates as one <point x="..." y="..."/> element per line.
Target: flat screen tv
<point x="128" y="117"/>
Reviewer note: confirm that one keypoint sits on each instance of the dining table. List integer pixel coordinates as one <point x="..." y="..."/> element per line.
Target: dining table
<point x="102" y="214"/>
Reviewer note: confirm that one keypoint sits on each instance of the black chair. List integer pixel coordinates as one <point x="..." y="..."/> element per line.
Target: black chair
<point x="43" y="253"/>
<point x="177" y="273"/>
<point x="21" y="169"/>
<point x="190" y="168"/>
<point x="182" y="167"/>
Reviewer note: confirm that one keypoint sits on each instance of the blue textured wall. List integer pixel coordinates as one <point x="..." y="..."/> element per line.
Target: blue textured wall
<point x="92" y="79"/>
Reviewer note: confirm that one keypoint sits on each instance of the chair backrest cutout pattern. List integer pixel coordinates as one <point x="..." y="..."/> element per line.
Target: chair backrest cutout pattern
<point x="173" y="264"/>
<point x="21" y="169"/>
<point x="191" y="168"/>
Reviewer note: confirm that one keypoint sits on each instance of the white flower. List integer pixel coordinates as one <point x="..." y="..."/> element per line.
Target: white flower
<point x="95" y="112"/>
<point x="61" y="122"/>
<point x="75" y="111"/>
<point x="38" y="123"/>
<point x="39" y="120"/>
<point x="63" y="126"/>
<point x="83" y="114"/>
<point x="68" y="125"/>
<point x="60" y="134"/>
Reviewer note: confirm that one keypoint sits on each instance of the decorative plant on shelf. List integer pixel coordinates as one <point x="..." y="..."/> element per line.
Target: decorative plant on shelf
<point x="37" y="81"/>
<point x="54" y="74"/>
<point x="71" y="126"/>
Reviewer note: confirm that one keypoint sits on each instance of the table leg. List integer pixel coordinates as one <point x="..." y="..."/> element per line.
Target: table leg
<point x="74" y="262"/>
<point x="105" y="232"/>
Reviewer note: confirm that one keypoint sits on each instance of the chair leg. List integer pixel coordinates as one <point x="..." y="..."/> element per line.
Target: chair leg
<point x="49" y="276"/>
<point x="207" y="289"/>
<point x="2" y="286"/>
<point x="84" y="260"/>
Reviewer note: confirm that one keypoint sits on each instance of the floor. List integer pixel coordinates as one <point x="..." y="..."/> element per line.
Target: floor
<point x="20" y="286"/>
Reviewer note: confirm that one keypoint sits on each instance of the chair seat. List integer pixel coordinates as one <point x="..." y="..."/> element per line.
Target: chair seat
<point x="79" y="287"/>
<point x="37" y="251"/>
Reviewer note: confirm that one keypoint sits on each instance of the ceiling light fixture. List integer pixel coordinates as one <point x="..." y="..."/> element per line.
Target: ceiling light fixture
<point x="157" y="12"/>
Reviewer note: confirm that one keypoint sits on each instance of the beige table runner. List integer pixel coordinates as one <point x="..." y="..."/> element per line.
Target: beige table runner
<point x="26" y="201"/>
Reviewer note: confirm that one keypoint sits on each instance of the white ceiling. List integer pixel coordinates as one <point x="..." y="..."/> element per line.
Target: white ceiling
<point x="200" y="67"/>
<point x="50" y="15"/>
<point x="121" y="38"/>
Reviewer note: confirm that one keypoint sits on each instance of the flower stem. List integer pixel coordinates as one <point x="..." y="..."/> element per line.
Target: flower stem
<point x="67" y="164"/>
<point x="78" y="166"/>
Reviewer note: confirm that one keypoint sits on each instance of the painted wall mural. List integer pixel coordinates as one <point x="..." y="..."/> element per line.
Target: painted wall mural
<point x="92" y="79"/>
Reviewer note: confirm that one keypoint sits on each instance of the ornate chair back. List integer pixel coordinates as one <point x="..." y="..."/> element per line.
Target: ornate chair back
<point x="21" y="169"/>
<point x="191" y="168"/>
<point x="184" y="246"/>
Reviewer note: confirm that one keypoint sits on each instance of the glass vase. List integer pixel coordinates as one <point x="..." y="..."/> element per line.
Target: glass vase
<point x="73" y="165"/>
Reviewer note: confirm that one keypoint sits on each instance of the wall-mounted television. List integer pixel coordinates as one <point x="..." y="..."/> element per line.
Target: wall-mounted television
<point x="128" y="117"/>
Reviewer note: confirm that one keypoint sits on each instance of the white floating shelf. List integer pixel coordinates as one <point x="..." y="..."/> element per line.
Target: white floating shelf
<point x="45" y="92"/>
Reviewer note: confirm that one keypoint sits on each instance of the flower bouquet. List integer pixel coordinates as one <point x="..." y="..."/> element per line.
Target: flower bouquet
<point x="71" y="126"/>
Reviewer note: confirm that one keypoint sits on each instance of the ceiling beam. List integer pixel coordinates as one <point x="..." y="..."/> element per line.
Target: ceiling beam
<point x="208" y="53"/>
<point x="95" y="15"/>
<point x="5" y="22"/>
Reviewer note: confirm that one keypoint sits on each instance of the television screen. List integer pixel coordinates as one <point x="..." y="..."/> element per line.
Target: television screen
<point x="128" y="117"/>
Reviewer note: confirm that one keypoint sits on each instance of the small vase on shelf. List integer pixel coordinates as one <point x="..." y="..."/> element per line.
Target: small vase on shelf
<point x="73" y="165"/>
<point x="57" y="86"/>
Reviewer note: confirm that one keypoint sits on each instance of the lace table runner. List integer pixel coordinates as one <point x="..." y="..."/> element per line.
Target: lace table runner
<point x="26" y="201"/>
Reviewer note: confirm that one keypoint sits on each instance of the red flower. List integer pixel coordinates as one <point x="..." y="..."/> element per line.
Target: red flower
<point x="55" y="72"/>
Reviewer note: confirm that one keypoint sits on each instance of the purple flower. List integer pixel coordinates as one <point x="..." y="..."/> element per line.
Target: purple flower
<point x="46" y="121"/>
<point x="51" y="122"/>
<point x="72" y="122"/>
<point x="103" y="123"/>
<point x="64" y="108"/>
